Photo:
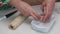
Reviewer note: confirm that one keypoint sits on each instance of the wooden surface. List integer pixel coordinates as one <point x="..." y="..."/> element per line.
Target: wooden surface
<point x="33" y="2"/>
<point x="36" y="2"/>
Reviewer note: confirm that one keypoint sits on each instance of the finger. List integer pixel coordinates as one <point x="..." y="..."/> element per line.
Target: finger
<point x="35" y="15"/>
<point x="46" y="18"/>
<point x="43" y="5"/>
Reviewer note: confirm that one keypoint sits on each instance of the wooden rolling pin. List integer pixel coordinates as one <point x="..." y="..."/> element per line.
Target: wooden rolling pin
<point x="17" y="21"/>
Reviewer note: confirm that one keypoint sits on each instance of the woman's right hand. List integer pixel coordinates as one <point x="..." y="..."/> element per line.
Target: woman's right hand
<point x="48" y="5"/>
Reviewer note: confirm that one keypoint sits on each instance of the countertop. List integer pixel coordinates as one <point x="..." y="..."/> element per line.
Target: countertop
<point x="25" y="28"/>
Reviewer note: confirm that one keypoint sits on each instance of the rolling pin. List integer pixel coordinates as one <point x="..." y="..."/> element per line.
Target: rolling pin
<point x="17" y="21"/>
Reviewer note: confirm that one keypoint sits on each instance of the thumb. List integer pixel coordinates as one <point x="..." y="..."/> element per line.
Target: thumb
<point x="43" y="5"/>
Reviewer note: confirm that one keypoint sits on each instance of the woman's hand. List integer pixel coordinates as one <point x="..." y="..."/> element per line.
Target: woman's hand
<point x="48" y="6"/>
<point x="25" y="8"/>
